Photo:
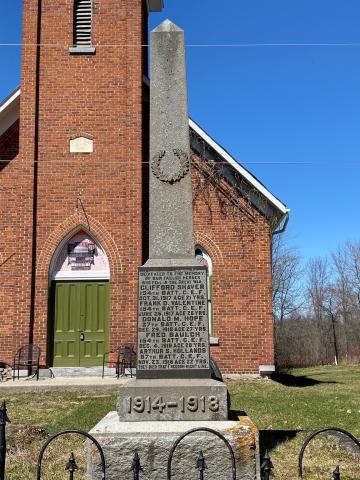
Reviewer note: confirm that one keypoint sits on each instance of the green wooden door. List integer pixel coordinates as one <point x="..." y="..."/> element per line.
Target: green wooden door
<point x="94" y="322"/>
<point x="81" y="317"/>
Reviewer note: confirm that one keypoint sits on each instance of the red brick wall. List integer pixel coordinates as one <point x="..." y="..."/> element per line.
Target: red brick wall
<point x="11" y="204"/>
<point x="101" y="96"/>
<point x="238" y="239"/>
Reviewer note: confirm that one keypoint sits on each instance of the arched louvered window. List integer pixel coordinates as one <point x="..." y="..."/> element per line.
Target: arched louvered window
<point x="83" y="27"/>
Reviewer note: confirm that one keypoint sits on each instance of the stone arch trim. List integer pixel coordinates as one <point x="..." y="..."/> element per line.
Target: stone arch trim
<point x="89" y="224"/>
<point x="212" y="248"/>
<point x="81" y="134"/>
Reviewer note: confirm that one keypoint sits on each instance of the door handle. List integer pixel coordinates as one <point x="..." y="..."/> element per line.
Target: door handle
<point x="82" y="336"/>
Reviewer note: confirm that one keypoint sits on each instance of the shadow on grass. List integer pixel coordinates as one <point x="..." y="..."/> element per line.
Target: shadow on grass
<point x="289" y="380"/>
<point x="269" y="439"/>
<point x="235" y="414"/>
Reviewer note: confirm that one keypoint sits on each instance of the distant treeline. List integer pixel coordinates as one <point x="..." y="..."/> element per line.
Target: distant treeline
<point x="317" y="306"/>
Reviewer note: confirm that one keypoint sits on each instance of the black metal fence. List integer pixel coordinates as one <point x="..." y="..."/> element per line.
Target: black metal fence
<point x="4" y="419"/>
<point x="201" y="463"/>
<point x="336" y="473"/>
<point x="71" y="465"/>
<point x="267" y="468"/>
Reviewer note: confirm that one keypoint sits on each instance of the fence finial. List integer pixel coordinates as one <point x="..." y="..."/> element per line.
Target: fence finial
<point x="71" y="466"/>
<point x="4" y="419"/>
<point x="266" y="466"/>
<point x="336" y="474"/>
<point x="136" y="466"/>
<point x="201" y="464"/>
<point x="3" y="414"/>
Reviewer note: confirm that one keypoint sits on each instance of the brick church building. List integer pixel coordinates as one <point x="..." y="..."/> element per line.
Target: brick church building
<point x="74" y="198"/>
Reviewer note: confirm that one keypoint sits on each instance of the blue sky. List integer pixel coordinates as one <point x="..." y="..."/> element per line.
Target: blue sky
<point x="291" y="115"/>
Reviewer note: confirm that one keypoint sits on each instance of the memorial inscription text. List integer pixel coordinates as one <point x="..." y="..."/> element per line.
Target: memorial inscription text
<point x="173" y="330"/>
<point x="191" y="404"/>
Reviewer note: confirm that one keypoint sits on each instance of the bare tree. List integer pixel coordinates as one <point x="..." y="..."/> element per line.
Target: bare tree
<point x="317" y="285"/>
<point x="286" y="273"/>
<point x="325" y="327"/>
<point x="353" y="263"/>
<point x="344" y="293"/>
<point x="347" y="266"/>
<point x="330" y="308"/>
<point x="296" y="340"/>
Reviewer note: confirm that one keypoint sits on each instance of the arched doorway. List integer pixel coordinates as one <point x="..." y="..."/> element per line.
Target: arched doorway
<point x="79" y="303"/>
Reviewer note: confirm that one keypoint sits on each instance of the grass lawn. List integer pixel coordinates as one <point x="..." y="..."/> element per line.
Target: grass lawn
<point x="297" y="403"/>
<point x="34" y="416"/>
<point x="305" y="400"/>
<point x="326" y="396"/>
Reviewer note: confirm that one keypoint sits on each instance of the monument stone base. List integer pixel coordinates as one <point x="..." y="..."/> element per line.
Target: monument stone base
<point x="173" y="399"/>
<point x="154" y="440"/>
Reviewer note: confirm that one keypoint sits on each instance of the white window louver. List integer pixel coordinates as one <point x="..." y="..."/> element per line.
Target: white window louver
<point x="82" y="22"/>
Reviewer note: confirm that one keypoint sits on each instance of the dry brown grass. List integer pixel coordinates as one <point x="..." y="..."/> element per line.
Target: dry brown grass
<point x="35" y="417"/>
<point x="320" y="460"/>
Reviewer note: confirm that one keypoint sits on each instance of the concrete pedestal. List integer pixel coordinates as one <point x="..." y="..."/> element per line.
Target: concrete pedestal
<point x="153" y="442"/>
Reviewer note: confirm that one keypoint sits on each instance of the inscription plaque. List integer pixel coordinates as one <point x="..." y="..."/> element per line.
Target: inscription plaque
<point x="173" y="399"/>
<point x="192" y="403"/>
<point x="173" y="328"/>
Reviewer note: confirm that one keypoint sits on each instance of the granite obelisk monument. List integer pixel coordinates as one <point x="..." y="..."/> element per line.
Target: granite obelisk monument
<point x="171" y="239"/>
<point x="173" y="362"/>
<point x="173" y="392"/>
<point x="172" y="297"/>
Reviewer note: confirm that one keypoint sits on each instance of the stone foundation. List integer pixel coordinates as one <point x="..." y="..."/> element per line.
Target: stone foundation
<point x="153" y="442"/>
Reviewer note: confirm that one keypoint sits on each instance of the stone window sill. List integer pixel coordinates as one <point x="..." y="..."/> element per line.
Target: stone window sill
<point x="214" y="341"/>
<point x="82" y="50"/>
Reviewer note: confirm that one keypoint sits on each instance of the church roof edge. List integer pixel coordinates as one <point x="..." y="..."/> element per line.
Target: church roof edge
<point x="9" y="110"/>
<point x="4" y="104"/>
<point x="9" y="102"/>
<point x="239" y="168"/>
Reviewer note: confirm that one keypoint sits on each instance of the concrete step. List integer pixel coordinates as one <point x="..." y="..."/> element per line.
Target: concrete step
<point x="62" y="384"/>
<point x="59" y="372"/>
<point x="82" y="371"/>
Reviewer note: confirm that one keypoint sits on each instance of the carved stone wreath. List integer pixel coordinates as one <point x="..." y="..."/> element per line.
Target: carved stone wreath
<point x="183" y="170"/>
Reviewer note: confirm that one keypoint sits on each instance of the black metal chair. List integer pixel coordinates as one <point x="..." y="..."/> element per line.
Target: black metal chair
<point x="127" y="359"/>
<point x="5" y="371"/>
<point x="112" y="358"/>
<point x="27" y="356"/>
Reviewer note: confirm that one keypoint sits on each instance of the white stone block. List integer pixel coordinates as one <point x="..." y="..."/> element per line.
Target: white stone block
<point x="81" y="145"/>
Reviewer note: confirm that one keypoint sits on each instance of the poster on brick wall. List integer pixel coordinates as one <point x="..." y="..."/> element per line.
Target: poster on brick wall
<point x="81" y="257"/>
